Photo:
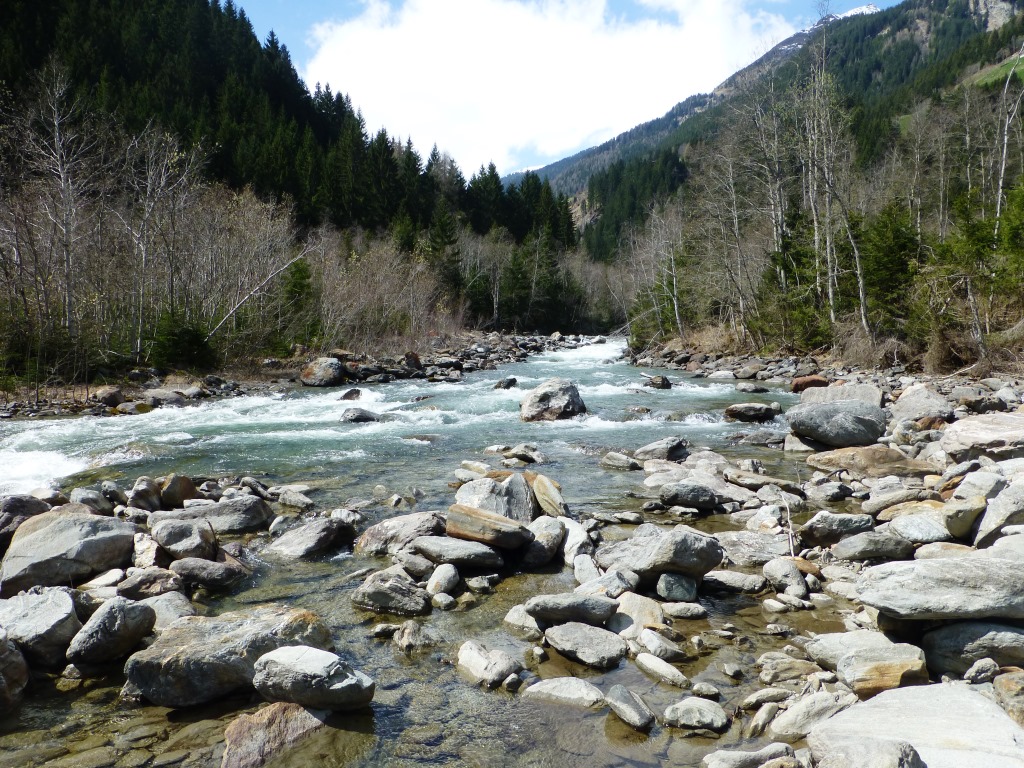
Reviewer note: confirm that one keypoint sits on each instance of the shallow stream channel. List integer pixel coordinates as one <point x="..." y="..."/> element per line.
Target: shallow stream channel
<point x="423" y="712"/>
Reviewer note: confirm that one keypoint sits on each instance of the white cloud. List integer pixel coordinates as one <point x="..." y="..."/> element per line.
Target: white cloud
<point x="521" y="81"/>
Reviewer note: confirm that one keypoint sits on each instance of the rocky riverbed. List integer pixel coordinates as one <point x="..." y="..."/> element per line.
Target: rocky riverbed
<point x="586" y="572"/>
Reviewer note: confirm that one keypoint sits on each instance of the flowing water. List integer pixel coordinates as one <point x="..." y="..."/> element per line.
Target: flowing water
<point x="422" y="714"/>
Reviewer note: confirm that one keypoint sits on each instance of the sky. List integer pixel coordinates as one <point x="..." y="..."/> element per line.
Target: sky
<point x="522" y="83"/>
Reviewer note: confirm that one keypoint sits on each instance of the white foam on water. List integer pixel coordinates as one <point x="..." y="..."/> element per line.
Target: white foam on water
<point x="24" y="471"/>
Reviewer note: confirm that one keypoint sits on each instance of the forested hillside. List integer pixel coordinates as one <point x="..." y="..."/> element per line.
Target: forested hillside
<point x="174" y="193"/>
<point x="864" y="196"/>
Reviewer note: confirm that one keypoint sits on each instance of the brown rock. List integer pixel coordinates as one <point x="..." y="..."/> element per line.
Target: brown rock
<point x="870" y="461"/>
<point x="801" y="383"/>
<point x="486" y="527"/>
<point x="253" y="740"/>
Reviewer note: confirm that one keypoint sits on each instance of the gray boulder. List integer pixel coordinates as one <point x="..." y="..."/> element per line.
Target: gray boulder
<point x="827" y="528"/>
<point x="311" y="677"/>
<point x="237" y="515"/>
<point x="392" y="591"/>
<point x="839" y="424"/>
<point x="629" y="708"/>
<point x="112" y="632"/>
<point x="186" y="538"/>
<point x="486" y="667"/>
<point x="145" y="495"/>
<point x="796" y="722"/>
<point x="952" y="588"/>
<point x="60" y="549"/>
<point x="827" y="650"/>
<point x="871" y="545"/>
<point x="13" y="675"/>
<point x="566" y="690"/>
<point x="169" y="607"/>
<point x="750" y="549"/>
<point x="323" y="372"/>
<point x="666" y="449"/>
<point x="209" y="573"/>
<point x="15" y="510"/>
<point x="460" y="553"/>
<point x="592" y="646"/>
<point x="954" y="648"/>
<point x="675" y="551"/>
<point x="750" y="412"/>
<point x="554" y="399"/>
<point x="312" y="538"/>
<point x="395" y="534"/>
<point x="548" y="535"/>
<point x="919" y="401"/>
<point x="1007" y="508"/>
<point x="995" y="435"/>
<point x="865" y="393"/>
<point x="571" y="607"/>
<point x="949" y="726"/>
<point x="199" y="659"/>
<point x="694" y="713"/>
<point x="42" y="624"/>
<point x="95" y="500"/>
<point x="728" y="758"/>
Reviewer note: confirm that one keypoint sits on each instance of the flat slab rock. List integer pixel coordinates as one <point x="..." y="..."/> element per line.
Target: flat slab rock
<point x="949" y="588"/>
<point x="588" y="645"/>
<point x="566" y="690"/>
<point x="199" y="659"/>
<point x="996" y="435"/>
<point x="950" y="726"/>
<point x="674" y="551"/>
<point x="253" y="740"/>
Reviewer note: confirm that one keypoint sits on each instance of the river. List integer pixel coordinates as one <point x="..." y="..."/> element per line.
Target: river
<point x="423" y="713"/>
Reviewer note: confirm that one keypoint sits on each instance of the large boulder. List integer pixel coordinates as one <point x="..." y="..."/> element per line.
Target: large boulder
<point x="949" y="726"/>
<point x="805" y="713"/>
<point x="395" y="534"/>
<point x="839" y="424"/>
<point x="566" y="690"/>
<point x="112" y="632"/>
<point x="392" y="591"/>
<point x="995" y="435"/>
<point x="314" y="678"/>
<point x="651" y="552"/>
<point x="554" y="399"/>
<point x="954" y="648"/>
<point x="486" y="527"/>
<point x="486" y="667"/>
<point x="237" y="515"/>
<point x="870" y="461"/>
<point x="949" y="588"/>
<point x="185" y="538"/>
<point x="13" y="674"/>
<point x="42" y="624"/>
<point x="15" y="510"/>
<point x="865" y="393"/>
<point x="592" y="646"/>
<point x="458" y="552"/>
<point x="54" y="549"/>
<point x="252" y="740"/>
<point x="666" y="449"/>
<point x="312" y="538"/>
<point x="511" y="498"/>
<point x="571" y="607"/>
<point x="199" y="659"/>
<point x="694" y="713"/>
<point x="1007" y="508"/>
<point x="919" y="401"/>
<point x="323" y="372"/>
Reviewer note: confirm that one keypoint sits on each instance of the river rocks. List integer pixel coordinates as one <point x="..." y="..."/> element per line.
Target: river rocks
<point x="358" y="416"/>
<point x="796" y="722"/>
<point x="733" y="581"/>
<point x="919" y="401"/>
<point x="870" y="461"/>
<point x="548" y="496"/>
<point x="13" y="674"/>
<point x="651" y="552"/>
<point x="751" y="549"/>
<point x="694" y="713"/>
<point x="865" y="393"/>
<point x="42" y="624"/>
<point x="703" y="491"/>
<point x="254" y="739"/>
<point x="676" y="588"/>
<point x="950" y="726"/>
<point x="323" y="372"/>
<point x="15" y="510"/>
<point x="312" y="538"/>
<point x="112" y="632"/>
<point x="395" y="534"/>
<point x="486" y="667"/>
<point x="839" y="424"/>
<point x="661" y="670"/>
<point x="873" y="544"/>
<point x="868" y="671"/>
<point x="666" y="449"/>
<point x="510" y="498"/>
<point x="952" y="588"/>
<point x="186" y="538"/>
<point x="829" y="649"/>
<point x="237" y="515"/>
<point x="176" y="490"/>
<point x="208" y="573"/>
<point x="392" y="591"/>
<point x="312" y="678"/>
<point x="566" y="690"/>
<point x="629" y="708"/>
<point x="60" y="549"/>
<point x="727" y="758"/>
<point x="458" y="552"/>
<point x="572" y="607"/>
<point x="548" y="534"/>
<point x="554" y="399"/>
<point x="145" y="495"/>
<point x="750" y="412"/>
<point x="614" y="460"/>
<point x="486" y="527"/>
<point x="588" y="645"/>
<point x="954" y="648"/>
<point x="199" y="659"/>
<point x="827" y="528"/>
<point x="1007" y="508"/>
<point x="995" y="435"/>
<point x="784" y="576"/>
